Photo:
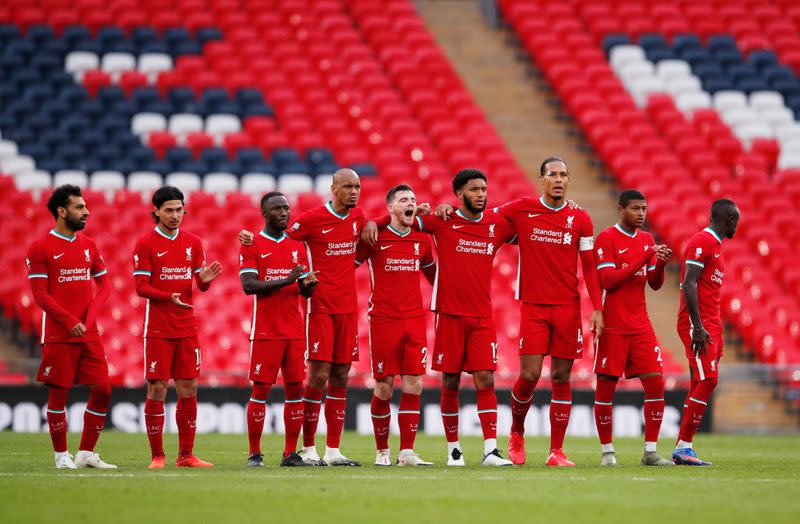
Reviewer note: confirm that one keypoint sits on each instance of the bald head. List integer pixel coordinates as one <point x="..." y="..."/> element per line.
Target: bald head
<point x="346" y="188"/>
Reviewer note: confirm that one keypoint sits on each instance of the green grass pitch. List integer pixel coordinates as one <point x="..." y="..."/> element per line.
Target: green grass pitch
<point x="755" y="479"/>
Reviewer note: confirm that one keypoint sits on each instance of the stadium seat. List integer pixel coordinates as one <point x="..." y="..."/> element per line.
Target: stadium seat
<point x="143" y="124"/>
<point x="188" y="183"/>
<point x="107" y="181"/>
<point x="144" y="182"/>
<point x="33" y="181"/>
<point x="78" y="62"/>
<point x="71" y="176"/>
<point x="257" y="184"/>
<point x="295" y="183"/>
<point x="220" y="183"/>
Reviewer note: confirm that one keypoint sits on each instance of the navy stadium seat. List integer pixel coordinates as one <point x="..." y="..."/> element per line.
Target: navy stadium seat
<point x="73" y="34"/>
<point x="609" y="41"/>
<point x="176" y="156"/>
<point x="208" y="34"/>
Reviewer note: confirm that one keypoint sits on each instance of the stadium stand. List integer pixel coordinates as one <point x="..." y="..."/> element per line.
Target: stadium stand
<point x="689" y="102"/>
<point x="227" y="100"/>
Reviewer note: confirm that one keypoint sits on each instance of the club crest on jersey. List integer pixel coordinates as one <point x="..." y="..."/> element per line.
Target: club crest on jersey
<point x="189" y="254"/>
<point x="570" y="219"/>
<point x="380" y="367"/>
<point x="294" y="257"/>
<point x="316" y="347"/>
<point x="355" y="229"/>
<point x="713" y="365"/>
<point x="257" y="370"/>
<point x="153" y="366"/>
<point x="603" y="363"/>
<point x="491" y="230"/>
<point x="439" y="358"/>
<point x="416" y="248"/>
<point x="47" y="371"/>
<point x="86" y="254"/>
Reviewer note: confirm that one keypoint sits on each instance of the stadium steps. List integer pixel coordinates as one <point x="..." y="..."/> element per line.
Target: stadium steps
<point x="504" y="82"/>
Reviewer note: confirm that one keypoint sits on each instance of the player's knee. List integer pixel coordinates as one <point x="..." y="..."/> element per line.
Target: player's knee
<point x="451" y="381"/>
<point x="338" y="376"/>
<point x="186" y="388"/>
<point x="412" y="384"/>
<point x="560" y="376"/>
<point x="483" y="379"/>
<point x="530" y="374"/>
<point x="100" y="396"/>
<point x="383" y="391"/>
<point x="157" y="389"/>
<point x="707" y="386"/>
<point x="57" y="398"/>
<point x="318" y="379"/>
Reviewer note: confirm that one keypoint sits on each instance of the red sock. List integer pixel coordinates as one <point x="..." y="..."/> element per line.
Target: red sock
<point x="381" y="416"/>
<point x="94" y="418"/>
<point x="256" y="413"/>
<point x="449" y="405"/>
<point x="408" y="419"/>
<point x="186" y="417"/>
<point x="154" y="420"/>
<point x="692" y="385"/>
<point x="335" y="406"/>
<point x="292" y="416"/>
<point x="312" y="400"/>
<point x="653" y="406"/>
<point x="57" y="417"/>
<point x="698" y="401"/>
<point x="560" y="408"/>
<point x="603" y="409"/>
<point x="521" y="398"/>
<point x="487" y="412"/>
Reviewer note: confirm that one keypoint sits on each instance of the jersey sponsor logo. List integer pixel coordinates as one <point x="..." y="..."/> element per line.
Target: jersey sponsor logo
<point x="717" y="276"/>
<point x="551" y="236"/>
<point x="74" y="274"/>
<point x="568" y="238"/>
<point x="621" y="251"/>
<point x="188" y="253"/>
<point x="570" y="220"/>
<point x="475" y="247"/>
<point x="162" y="253"/>
<point x="341" y="248"/>
<point x="47" y="371"/>
<point x="86" y="255"/>
<point x="386" y="247"/>
<point x="175" y="273"/>
<point x="153" y="366"/>
<point x="56" y="257"/>
<point x="265" y="255"/>
<point x="257" y="370"/>
<point x="326" y="231"/>
<point x="491" y="230"/>
<point x="416" y="248"/>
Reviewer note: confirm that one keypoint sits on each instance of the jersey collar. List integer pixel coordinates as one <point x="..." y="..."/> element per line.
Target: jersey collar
<point x="713" y="234"/>
<point x="548" y="206"/>
<point x="398" y="233"/>
<point x="329" y="207"/>
<point x="622" y="230"/>
<point x="63" y="237"/>
<point x="173" y="237"/>
<point x="462" y="215"/>
<point x="270" y="237"/>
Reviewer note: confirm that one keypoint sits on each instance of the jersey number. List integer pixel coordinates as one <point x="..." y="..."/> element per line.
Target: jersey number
<point x="424" y="355"/>
<point x="197" y="357"/>
<point x="494" y="352"/>
<point x="658" y="352"/>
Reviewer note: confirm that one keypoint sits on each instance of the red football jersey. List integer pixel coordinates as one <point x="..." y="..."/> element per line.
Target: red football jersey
<point x="705" y="251"/>
<point x="466" y="250"/>
<point x="395" y="262"/>
<point x="276" y="316"/>
<point x="331" y="240"/>
<point x="68" y="264"/>
<point x="625" y="308"/>
<point x="169" y="264"/>
<point x="550" y="240"/>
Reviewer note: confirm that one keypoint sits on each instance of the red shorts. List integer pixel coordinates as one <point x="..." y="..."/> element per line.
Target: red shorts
<point x="632" y="354"/>
<point x="551" y="330"/>
<point x="398" y="346"/>
<point x="332" y="338"/>
<point x="704" y="365"/>
<point x="67" y="363"/>
<point x="166" y="358"/>
<point x="269" y="356"/>
<point x="464" y="344"/>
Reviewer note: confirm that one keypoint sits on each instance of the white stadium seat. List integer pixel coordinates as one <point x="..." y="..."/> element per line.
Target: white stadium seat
<point x="789" y="132"/>
<point x="116" y="63"/>
<point x="738" y="115"/>
<point x="220" y="125"/>
<point x="78" y="62"/>
<point x="724" y="100"/>
<point x="642" y="88"/>
<point x="142" y="124"/>
<point x="775" y="116"/>
<point x="668" y="69"/>
<point x="188" y="183"/>
<point x="322" y="185"/>
<point x="256" y="184"/>
<point x="13" y="165"/>
<point x="633" y="70"/>
<point x="33" y="180"/>
<point x="748" y="131"/>
<point x="181" y="124"/>
<point x="294" y="183"/>
<point x="624" y="54"/>
<point x="688" y="102"/>
<point x="766" y="100"/>
<point x="152" y="64"/>
<point x="683" y="84"/>
<point x="220" y="183"/>
<point x="789" y="159"/>
<point x="107" y="181"/>
<point x="8" y="149"/>
<point x="76" y="177"/>
<point x="144" y="181"/>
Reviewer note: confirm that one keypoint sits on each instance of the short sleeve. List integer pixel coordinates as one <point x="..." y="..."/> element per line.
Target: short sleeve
<point x="586" y="242"/>
<point x="300" y="228"/>
<point x="141" y="258"/>
<point x="98" y="264"/>
<point x="428" y="224"/>
<point x="604" y="252"/>
<point x="509" y="209"/>
<point x="36" y="261"/>
<point x="248" y="260"/>
<point x="697" y="253"/>
<point x="427" y="254"/>
<point x="362" y="253"/>
<point x="198" y="256"/>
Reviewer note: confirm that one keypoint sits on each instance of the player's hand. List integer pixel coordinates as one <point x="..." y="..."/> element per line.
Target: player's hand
<point x="369" y="234"/>
<point x="311" y="279"/>
<point x="295" y="273"/>
<point x="444" y="211"/>
<point x="423" y="210"/>
<point x="700" y="341"/>
<point x="597" y="323"/>
<point x="246" y="237"/>
<point x="664" y="255"/>
<point x="78" y="330"/>
<point x="209" y="273"/>
<point x="176" y="299"/>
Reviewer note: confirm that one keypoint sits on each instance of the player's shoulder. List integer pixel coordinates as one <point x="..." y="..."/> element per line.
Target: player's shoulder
<point x="39" y="242"/>
<point x="608" y="234"/>
<point x="188" y="236"/>
<point x="356" y="213"/>
<point x="146" y="237"/>
<point x="291" y="243"/>
<point x="647" y="237"/>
